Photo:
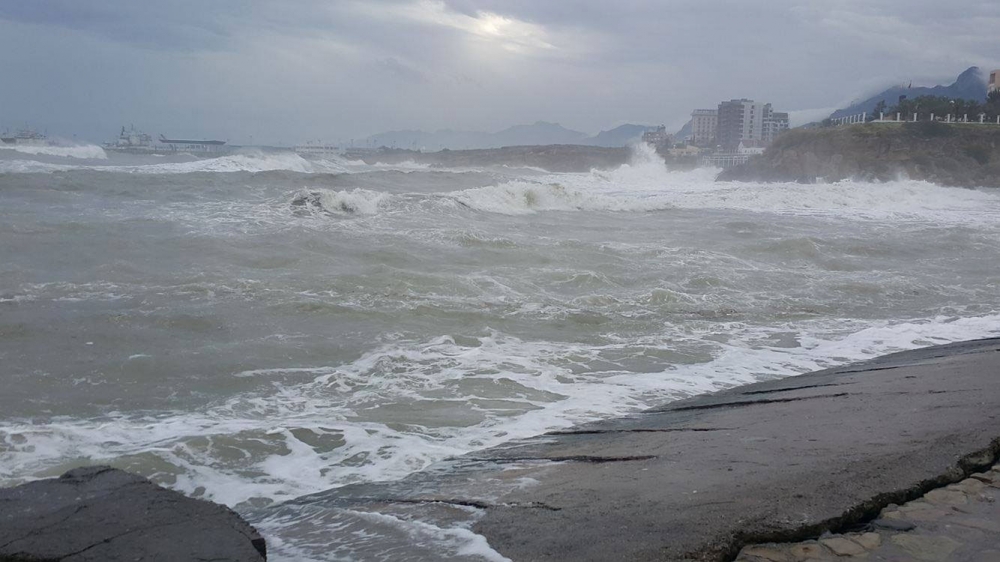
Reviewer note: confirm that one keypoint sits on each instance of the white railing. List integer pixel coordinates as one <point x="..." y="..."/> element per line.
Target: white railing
<point x="725" y="160"/>
<point x="850" y="119"/>
<point x="951" y="119"/>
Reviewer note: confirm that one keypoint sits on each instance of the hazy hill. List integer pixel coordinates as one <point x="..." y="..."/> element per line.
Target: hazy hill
<point x="537" y="134"/>
<point x="619" y="136"/>
<point x="685" y="131"/>
<point x="555" y="157"/>
<point x="970" y="85"/>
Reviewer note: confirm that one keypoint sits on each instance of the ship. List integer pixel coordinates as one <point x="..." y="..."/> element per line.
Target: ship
<point x="25" y="137"/>
<point x="132" y="141"/>
<point x="194" y="146"/>
<point x="317" y="150"/>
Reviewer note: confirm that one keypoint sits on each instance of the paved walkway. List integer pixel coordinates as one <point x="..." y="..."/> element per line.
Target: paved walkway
<point x="960" y="523"/>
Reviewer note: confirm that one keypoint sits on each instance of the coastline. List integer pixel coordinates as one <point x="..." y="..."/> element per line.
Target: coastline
<point x="701" y="478"/>
<point x="822" y="460"/>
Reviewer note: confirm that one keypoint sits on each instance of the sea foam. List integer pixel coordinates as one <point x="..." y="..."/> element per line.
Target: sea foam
<point x="646" y="184"/>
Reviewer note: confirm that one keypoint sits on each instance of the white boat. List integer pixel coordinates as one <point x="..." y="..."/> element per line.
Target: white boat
<point x="132" y="142"/>
<point x="25" y="137"/>
<point x="317" y="150"/>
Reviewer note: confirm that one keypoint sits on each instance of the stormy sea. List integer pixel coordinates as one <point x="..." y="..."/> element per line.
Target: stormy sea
<point x="259" y="327"/>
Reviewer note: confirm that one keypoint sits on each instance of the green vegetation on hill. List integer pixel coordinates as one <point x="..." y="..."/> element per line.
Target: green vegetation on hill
<point x="966" y="155"/>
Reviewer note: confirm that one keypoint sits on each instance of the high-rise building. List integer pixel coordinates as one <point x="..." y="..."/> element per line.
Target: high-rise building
<point x="774" y="124"/>
<point x="704" y="124"/>
<point x="748" y="123"/>
<point x="740" y="121"/>
<point x="995" y="80"/>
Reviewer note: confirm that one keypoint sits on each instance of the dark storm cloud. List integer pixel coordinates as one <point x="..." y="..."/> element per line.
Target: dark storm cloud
<point x="346" y="68"/>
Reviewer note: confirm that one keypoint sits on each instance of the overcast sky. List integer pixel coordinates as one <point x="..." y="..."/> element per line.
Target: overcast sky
<point x="294" y="70"/>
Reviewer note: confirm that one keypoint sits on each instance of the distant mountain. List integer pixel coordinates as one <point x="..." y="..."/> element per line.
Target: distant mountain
<point x="686" y="131"/>
<point x="539" y="133"/>
<point x="619" y="136"/>
<point x="970" y="85"/>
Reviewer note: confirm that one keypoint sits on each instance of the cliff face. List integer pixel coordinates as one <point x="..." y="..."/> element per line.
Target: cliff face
<point x="951" y="155"/>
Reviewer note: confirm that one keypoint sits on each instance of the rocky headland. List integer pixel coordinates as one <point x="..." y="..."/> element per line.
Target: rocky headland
<point x="959" y="155"/>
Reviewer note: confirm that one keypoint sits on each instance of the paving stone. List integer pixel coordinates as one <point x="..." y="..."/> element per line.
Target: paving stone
<point x="764" y="553"/>
<point x="929" y="514"/>
<point x="842" y="546"/>
<point x="984" y="478"/>
<point x="810" y="550"/>
<point x="869" y="541"/>
<point x="970" y="486"/>
<point x="965" y="531"/>
<point x="893" y="524"/>
<point x="990" y="525"/>
<point x="987" y="556"/>
<point x="945" y="496"/>
<point x="928" y="548"/>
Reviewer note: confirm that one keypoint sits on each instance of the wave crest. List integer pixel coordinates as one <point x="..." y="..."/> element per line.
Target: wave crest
<point x="646" y="184"/>
<point x="81" y="152"/>
<point x="355" y="202"/>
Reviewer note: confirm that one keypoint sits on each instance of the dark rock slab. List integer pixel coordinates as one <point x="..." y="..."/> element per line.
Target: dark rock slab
<point x="105" y="514"/>
<point x="698" y="479"/>
<point x="789" y="460"/>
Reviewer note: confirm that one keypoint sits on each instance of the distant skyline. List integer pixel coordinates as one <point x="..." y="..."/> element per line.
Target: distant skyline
<point x="288" y="72"/>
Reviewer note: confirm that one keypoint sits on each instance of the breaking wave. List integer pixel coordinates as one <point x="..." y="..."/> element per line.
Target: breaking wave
<point x="646" y="184"/>
<point x="524" y="197"/>
<point x="354" y="202"/>
<point x="252" y="162"/>
<point x="81" y="152"/>
<point x="315" y="420"/>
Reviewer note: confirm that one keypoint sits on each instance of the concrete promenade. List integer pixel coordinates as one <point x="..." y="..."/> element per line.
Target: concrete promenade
<point x="700" y="479"/>
<point x="959" y="522"/>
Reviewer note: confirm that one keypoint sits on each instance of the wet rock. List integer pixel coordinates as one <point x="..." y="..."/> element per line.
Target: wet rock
<point x="101" y="513"/>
